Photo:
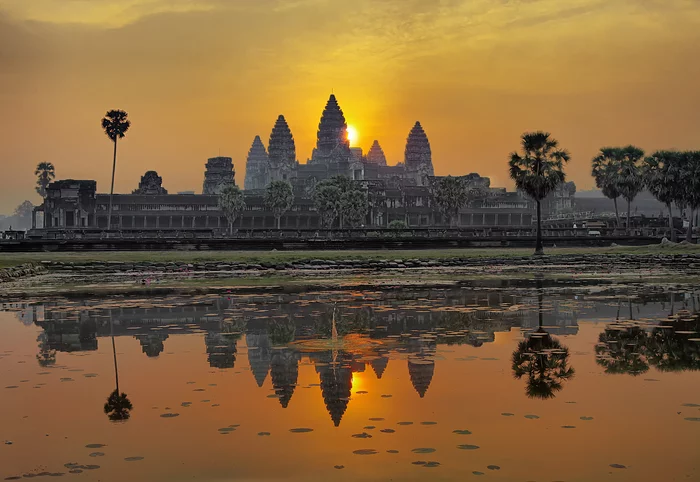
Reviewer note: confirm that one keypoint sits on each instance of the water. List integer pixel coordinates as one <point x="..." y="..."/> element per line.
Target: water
<point x="567" y="382"/>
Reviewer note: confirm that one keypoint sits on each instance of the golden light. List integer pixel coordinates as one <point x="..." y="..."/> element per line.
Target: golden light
<point x="352" y="135"/>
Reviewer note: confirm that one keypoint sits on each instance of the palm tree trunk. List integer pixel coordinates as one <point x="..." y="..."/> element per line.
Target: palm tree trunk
<point x="689" y="234"/>
<point x="539" y="249"/>
<point x="670" y="222"/>
<point x="114" y="351"/>
<point x="617" y="213"/>
<point x="111" y="190"/>
<point x="629" y="209"/>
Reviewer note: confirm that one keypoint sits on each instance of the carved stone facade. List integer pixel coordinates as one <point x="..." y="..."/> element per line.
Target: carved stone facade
<point x="256" y="167"/>
<point x="376" y="154"/>
<point x="151" y="184"/>
<point x="418" y="156"/>
<point x="281" y="152"/>
<point x="218" y="173"/>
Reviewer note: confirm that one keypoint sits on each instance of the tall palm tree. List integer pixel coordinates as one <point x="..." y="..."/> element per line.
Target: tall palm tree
<point x="631" y="181"/>
<point x="118" y="406"/>
<point x="45" y="173"/>
<point x="661" y="173"/>
<point x="606" y="170"/>
<point x="538" y="171"/>
<point x="690" y="186"/>
<point x="115" y="124"/>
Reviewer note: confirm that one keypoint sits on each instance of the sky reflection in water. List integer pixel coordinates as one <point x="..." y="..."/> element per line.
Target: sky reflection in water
<point x="517" y="383"/>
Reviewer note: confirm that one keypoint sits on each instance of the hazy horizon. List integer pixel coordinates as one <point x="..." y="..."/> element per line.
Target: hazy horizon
<point x="203" y="78"/>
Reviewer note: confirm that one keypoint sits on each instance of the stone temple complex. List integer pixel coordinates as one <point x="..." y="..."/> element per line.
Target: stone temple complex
<point x="402" y="191"/>
<point x="333" y="156"/>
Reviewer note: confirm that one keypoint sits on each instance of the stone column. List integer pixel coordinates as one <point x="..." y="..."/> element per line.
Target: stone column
<point x="170" y="224"/>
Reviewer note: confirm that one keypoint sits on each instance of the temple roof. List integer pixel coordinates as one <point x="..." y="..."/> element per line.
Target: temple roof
<point x="375" y="155"/>
<point x="281" y="149"/>
<point x="332" y="129"/>
<point x="417" y="147"/>
<point x="257" y="151"/>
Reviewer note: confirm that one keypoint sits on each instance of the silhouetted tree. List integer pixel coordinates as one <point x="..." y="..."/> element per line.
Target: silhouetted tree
<point x="115" y="124"/>
<point x="606" y="172"/>
<point x="690" y="186"/>
<point x="279" y="198"/>
<point x="631" y="180"/>
<point x="622" y="349"/>
<point x="661" y="173"/>
<point x="353" y="207"/>
<point x="327" y="203"/>
<point x="45" y="173"/>
<point x="232" y="203"/>
<point x="538" y="171"/>
<point x="118" y="407"/>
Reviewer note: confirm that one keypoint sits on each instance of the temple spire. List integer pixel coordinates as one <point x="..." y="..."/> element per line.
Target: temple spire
<point x="256" y="166"/>
<point x="281" y="151"/>
<point x="418" y="156"/>
<point x="332" y="137"/>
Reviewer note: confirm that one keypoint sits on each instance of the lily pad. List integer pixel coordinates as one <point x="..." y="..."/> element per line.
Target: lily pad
<point x="493" y="467"/>
<point x="387" y="430"/>
<point x="476" y="472"/>
<point x="419" y="462"/>
<point x="404" y="423"/>
<point x="507" y="414"/>
<point x="432" y="464"/>
<point x="428" y="423"/>
<point x="468" y="447"/>
<point x="169" y="415"/>
<point x="586" y="418"/>
<point x="462" y="432"/>
<point x="361" y="392"/>
<point x="392" y="451"/>
<point x="423" y="450"/>
<point x="133" y="459"/>
<point x="568" y="426"/>
<point x="532" y="417"/>
<point x="95" y="446"/>
<point x="301" y="430"/>
<point x="618" y="466"/>
<point x="691" y="405"/>
<point x="97" y="454"/>
<point x="338" y="467"/>
<point x="693" y="419"/>
<point x="376" y="419"/>
<point x="387" y="396"/>
<point x="361" y="435"/>
<point x="365" y="452"/>
<point x="264" y="434"/>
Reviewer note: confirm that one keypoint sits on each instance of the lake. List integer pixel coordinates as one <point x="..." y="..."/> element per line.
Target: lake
<point x="523" y="380"/>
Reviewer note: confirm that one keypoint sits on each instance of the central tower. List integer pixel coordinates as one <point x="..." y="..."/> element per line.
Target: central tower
<point x="332" y="144"/>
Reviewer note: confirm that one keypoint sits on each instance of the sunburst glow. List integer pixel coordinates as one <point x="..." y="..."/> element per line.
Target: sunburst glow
<point x="352" y="135"/>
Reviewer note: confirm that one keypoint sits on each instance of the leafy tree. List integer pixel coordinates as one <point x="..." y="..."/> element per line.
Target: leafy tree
<point x="690" y="186"/>
<point x="538" y="171"/>
<point x="450" y="194"/>
<point x="353" y="207"/>
<point x="376" y="199"/>
<point x="327" y="202"/>
<point x="631" y="180"/>
<point x="661" y="173"/>
<point x="279" y="198"/>
<point x="606" y="172"/>
<point x="45" y="173"/>
<point x="232" y="203"/>
<point x="115" y="124"/>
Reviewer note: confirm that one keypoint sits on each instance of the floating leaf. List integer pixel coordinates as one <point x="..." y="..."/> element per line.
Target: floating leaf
<point x="419" y="462"/>
<point x="95" y="446"/>
<point x="169" y="415"/>
<point x="693" y="419"/>
<point x="428" y="423"/>
<point x="618" y="466"/>
<point x="392" y="451"/>
<point x="404" y="423"/>
<point x="376" y="419"/>
<point x="462" y="432"/>
<point x="692" y="405"/>
<point x="476" y="472"/>
<point x="264" y="434"/>
<point x="97" y="454"/>
<point x="507" y="414"/>
<point x="493" y="467"/>
<point x="301" y="430"/>
<point x="532" y="417"/>
<point x="361" y="435"/>
<point x="423" y="450"/>
<point x="365" y="452"/>
<point x="133" y="459"/>
<point x="468" y="447"/>
<point x="338" y="467"/>
<point x="586" y="418"/>
<point x="387" y="430"/>
<point x="432" y="464"/>
<point x="568" y="426"/>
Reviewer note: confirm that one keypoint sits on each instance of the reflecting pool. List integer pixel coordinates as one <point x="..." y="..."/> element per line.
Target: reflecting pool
<point x="518" y="380"/>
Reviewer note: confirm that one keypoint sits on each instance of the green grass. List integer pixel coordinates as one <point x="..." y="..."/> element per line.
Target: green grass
<point x="13" y="259"/>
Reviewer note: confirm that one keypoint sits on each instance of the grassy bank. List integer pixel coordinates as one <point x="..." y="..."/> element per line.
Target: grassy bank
<point x="13" y="259"/>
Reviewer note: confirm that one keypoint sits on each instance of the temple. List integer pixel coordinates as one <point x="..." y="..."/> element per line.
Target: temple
<point x="402" y="191"/>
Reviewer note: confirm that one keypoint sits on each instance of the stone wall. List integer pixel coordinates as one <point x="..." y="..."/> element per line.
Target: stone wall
<point x="21" y="271"/>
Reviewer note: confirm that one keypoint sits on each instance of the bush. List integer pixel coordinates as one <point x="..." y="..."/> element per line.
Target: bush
<point x="397" y="224"/>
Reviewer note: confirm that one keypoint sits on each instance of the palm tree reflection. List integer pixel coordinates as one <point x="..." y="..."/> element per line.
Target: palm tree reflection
<point x="118" y="407"/>
<point x="543" y="359"/>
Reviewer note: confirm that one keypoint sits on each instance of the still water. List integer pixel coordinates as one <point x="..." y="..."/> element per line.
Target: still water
<point x="496" y="381"/>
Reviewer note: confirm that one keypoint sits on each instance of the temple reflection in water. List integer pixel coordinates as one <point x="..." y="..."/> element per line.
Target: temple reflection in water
<point x="406" y="327"/>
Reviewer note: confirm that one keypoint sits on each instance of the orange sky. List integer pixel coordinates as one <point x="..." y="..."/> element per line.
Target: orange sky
<point x="199" y="77"/>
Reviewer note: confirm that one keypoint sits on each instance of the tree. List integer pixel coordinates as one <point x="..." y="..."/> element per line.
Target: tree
<point x="690" y="186"/>
<point x="661" y="173"/>
<point x="376" y="199"/>
<point x="538" y="171"/>
<point x="115" y="124"/>
<point x="353" y="207"/>
<point x="232" y="203"/>
<point x="45" y="173"/>
<point x="631" y="180"/>
<point x="118" y="407"/>
<point x="397" y="224"/>
<point x="450" y="195"/>
<point x="327" y="203"/>
<point x="606" y="170"/>
<point x="278" y="199"/>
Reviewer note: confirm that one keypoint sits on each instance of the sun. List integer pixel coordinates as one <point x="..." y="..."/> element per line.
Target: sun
<point x="352" y="135"/>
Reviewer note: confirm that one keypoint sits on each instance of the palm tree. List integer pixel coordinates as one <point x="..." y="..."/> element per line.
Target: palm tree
<point x="661" y="177"/>
<point x="538" y="171"/>
<point x="45" y="173"/>
<point x="690" y="186"/>
<point x="118" y="406"/>
<point x="115" y="125"/>
<point x="232" y="203"/>
<point x="605" y="170"/>
<point x="622" y="349"/>
<point x="279" y="198"/>
<point x="631" y="181"/>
